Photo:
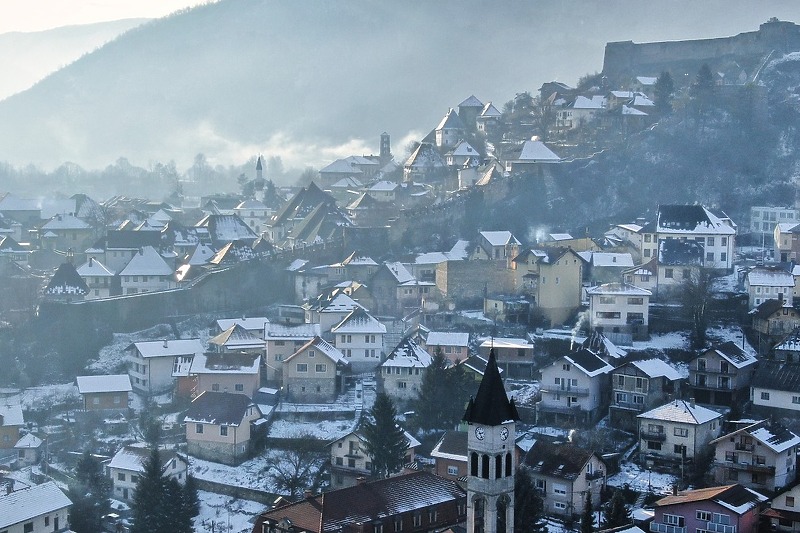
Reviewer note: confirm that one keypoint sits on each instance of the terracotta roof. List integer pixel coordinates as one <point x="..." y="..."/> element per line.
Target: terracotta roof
<point x="346" y="509"/>
<point x="736" y="498"/>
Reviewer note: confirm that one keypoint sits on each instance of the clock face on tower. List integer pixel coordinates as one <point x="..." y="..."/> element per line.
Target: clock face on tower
<point x="480" y="433"/>
<point x="504" y="433"/>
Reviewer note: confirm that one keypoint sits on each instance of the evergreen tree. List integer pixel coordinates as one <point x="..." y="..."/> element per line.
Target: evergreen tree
<point x="662" y="92"/>
<point x="190" y="498"/>
<point x="617" y="513"/>
<point x="386" y="443"/>
<point x="587" y="517"/>
<point x="528" y="505"/>
<point x="90" y="495"/>
<point x="443" y="394"/>
<point x="702" y="92"/>
<point x="151" y="511"/>
<point x="173" y="509"/>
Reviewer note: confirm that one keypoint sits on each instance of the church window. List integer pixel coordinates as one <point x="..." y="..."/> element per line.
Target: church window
<point x="498" y="466"/>
<point x="509" y="465"/>
<point x="485" y="466"/>
<point x="473" y="470"/>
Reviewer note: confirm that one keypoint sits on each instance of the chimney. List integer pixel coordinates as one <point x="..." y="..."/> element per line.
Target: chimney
<point x="691" y="402"/>
<point x="360" y="480"/>
<point x="91" y="261"/>
<point x="165" y="343"/>
<point x="308" y="494"/>
<point x="675" y="489"/>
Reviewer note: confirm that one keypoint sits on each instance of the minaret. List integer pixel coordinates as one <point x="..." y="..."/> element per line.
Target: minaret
<point x="491" y="437"/>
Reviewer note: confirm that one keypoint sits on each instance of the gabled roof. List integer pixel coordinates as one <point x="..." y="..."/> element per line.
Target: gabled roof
<point x="607" y="259"/>
<point x="66" y="280"/>
<point x="113" y="383"/>
<point x="463" y="148"/>
<point x="770" y="277"/>
<point x="471" y="101"/>
<point x="588" y="362"/>
<point x="29" y="440"/>
<point x="790" y="343"/>
<point x="565" y="461"/>
<point x="341" y="166"/>
<point x="767" y="308"/>
<point x="148" y="262"/>
<point x="341" y="303"/>
<point x="133" y="458"/>
<point x="131" y="240"/>
<point x="399" y="271"/>
<point x="771" y="434"/>
<point x="623" y="289"/>
<point x="425" y="157"/>
<point x="777" y="375"/>
<point x="581" y="102"/>
<point x="226" y="228"/>
<point x="686" y="219"/>
<point x="499" y="238"/>
<point x="250" y="323"/>
<point x="490" y="111"/>
<point x="168" y="348"/>
<point x="681" y="411"/>
<point x="236" y="337"/>
<point x="736" y="498"/>
<point x="348" y="508"/>
<point x="364" y="201"/>
<point x="491" y="406"/>
<point x="408" y="354"/>
<point x="31" y="502"/>
<point x="325" y="348"/>
<point x="95" y="268"/>
<point x="359" y="321"/>
<point x="277" y="331"/>
<point x="731" y="352"/>
<point x="219" y="408"/>
<point x="234" y="252"/>
<point x="536" y="152"/>
<point x="656" y="368"/>
<point x="601" y="346"/>
<point x="65" y="222"/>
<point x="225" y="363"/>
<point x="447" y="338"/>
<point x="453" y="445"/>
<point x="11" y="414"/>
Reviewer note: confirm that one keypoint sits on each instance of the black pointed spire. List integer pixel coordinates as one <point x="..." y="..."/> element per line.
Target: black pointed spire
<point x="491" y="406"/>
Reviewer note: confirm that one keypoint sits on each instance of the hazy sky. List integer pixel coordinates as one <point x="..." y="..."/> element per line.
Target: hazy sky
<point x="37" y="15"/>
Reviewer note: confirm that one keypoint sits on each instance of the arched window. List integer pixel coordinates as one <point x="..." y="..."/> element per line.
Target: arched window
<point x="498" y="466"/>
<point x="473" y="465"/>
<point x="509" y="464"/>
<point x="502" y="515"/>
<point x="485" y="466"/>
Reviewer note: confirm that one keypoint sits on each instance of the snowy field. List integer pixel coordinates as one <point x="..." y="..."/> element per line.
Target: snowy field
<point x="642" y="480"/>
<point x="252" y="473"/>
<point x="221" y="514"/>
<point x="325" y="430"/>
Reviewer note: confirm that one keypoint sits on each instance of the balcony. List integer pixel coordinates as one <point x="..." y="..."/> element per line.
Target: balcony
<point x="666" y="528"/>
<point x="744" y="447"/>
<point x="558" y="409"/>
<point x="631" y="406"/>
<point x="720" y="528"/>
<point x="559" y="389"/>
<point x="653" y="435"/>
<point x="712" y="385"/>
<point x="597" y="474"/>
<point x="746" y="467"/>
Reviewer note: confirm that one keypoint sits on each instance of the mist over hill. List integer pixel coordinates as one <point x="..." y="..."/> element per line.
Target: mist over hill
<point x="314" y="81"/>
<point x="27" y="57"/>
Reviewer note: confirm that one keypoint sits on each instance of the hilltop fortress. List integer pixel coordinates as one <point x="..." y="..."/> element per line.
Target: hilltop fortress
<point x="738" y="58"/>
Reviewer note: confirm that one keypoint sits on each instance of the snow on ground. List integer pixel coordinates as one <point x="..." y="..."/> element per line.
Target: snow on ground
<point x="326" y="430"/>
<point x="523" y="393"/>
<point x="728" y="283"/>
<point x="730" y="332"/>
<point x="642" y="480"/>
<point x="252" y="473"/>
<point x="475" y="315"/>
<point x="663" y="341"/>
<point x="45" y="397"/>
<point x="223" y="514"/>
<point x="551" y="431"/>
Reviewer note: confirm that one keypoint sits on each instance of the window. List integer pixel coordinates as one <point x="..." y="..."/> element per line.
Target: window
<point x="340" y="461"/>
<point x="681" y="432"/>
<point x="198" y="428"/>
<point x="452" y="470"/>
<point x="239" y="387"/>
<point x="710" y="241"/>
<point x="302" y="367"/>
<point x="377" y="528"/>
<point x="764" y="395"/>
<point x="647" y="238"/>
<point x="223" y="431"/>
<point x="46" y="520"/>
<point x="28" y="527"/>
<point x="655" y="428"/>
<point x="638" y="399"/>
<point x="723" y="256"/>
<point x="96" y="400"/>
<point x="565" y="367"/>
<point x="607" y="300"/>
<point x="710" y="256"/>
<point x="723" y="241"/>
<point x="433" y="516"/>
<point x="635" y="301"/>
<point x="668" y="273"/>
<point x="686" y="273"/>
<point x="790" y="501"/>
<point x="703" y="516"/>
<point x="559" y="489"/>
<point x="731" y="457"/>
<point x="673" y="520"/>
<point x="120" y="476"/>
<point x="647" y="253"/>
<point x="679" y="449"/>
<point x="312" y="353"/>
<point x="796" y="400"/>
<point x="215" y="387"/>
<point x="561" y="506"/>
<point x="620" y="380"/>
<point x="653" y="445"/>
<point x="321" y="368"/>
<point x="402" y="385"/>
<point x="417" y="520"/>
<point x="398" y="525"/>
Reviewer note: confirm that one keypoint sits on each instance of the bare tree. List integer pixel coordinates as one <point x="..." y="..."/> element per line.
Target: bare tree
<point x="695" y="295"/>
<point x="295" y="469"/>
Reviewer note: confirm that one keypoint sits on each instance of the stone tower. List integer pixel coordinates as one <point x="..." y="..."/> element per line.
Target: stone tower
<point x="491" y="436"/>
<point x="386" y="148"/>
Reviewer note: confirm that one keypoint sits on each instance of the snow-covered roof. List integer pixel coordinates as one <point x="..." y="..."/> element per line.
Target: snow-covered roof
<point x="451" y="120"/>
<point x="490" y="111"/>
<point x="537" y="151"/>
<point x="623" y="94"/>
<point x="250" y="204"/>
<point x="95" y="268"/>
<point x="65" y="222"/>
<point x="133" y="458"/>
<point x="348" y="182"/>
<point x="632" y="111"/>
<point x="11" y="414"/>
<point x="384" y="186"/>
<point x="581" y="102"/>
<point x="506" y="342"/>
<point x="276" y="331"/>
<point x="588" y="362"/>
<point x="471" y="101"/>
<point x="169" y="348"/>
<point x="252" y="323"/>
<point x="408" y="354"/>
<point x="606" y="259"/>
<point x="499" y="238"/>
<point x="623" y="289"/>
<point x="341" y="166"/>
<point x="768" y="277"/>
<point x="147" y="262"/>
<point x="296" y="265"/>
<point x="683" y="412"/>
<point x="776" y="441"/>
<point x="359" y="321"/>
<point x="341" y="303"/>
<point x="642" y="100"/>
<point x="399" y="271"/>
<point x="447" y="338"/>
<point x="324" y="347"/>
<point x="560" y="237"/>
<point x="113" y="383"/>
<point x="647" y="80"/>
<point x="690" y="219"/>
<point x="226" y="363"/>
<point x="656" y="368"/>
<point x="463" y="148"/>
<point x="28" y="440"/>
<point x="237" y="337"/>
<point x="734" y="355"/>
<point x="31" y="502"/>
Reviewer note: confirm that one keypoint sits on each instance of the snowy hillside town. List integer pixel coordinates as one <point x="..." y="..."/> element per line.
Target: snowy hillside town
<point x="365" y="352"/>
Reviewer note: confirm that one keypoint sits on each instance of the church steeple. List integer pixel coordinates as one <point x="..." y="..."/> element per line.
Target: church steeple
<point x="491" y="417"/>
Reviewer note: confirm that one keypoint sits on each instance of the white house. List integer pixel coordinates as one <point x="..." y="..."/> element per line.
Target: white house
<point x="36" y="509"/>
<point x="716" y="233"/>
<point x="97" y="277"/>
<point x="128" y="464"/>
<point x="152" y="365"/>
<point x="763" y="283"/>
<point x="619" y="308"/>
<point x="359" y="336"/>
<point x="775" y="388"/>
<point x="403" y="370"/>
<point x="350" y="459"/>
<point x="146" y="272"/>
<point x="676" y="431"/>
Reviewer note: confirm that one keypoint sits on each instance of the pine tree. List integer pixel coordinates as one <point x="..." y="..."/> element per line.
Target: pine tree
<point x="150" y="511"/>
<point x="617" y="513"/>
<point x="443" y="394"/>
<point x="385" y="441"/>
<point x="190" y="498"/>
<point x="587" y="517"/>
<point x="90" y="495"/>
<point x="662" y="92"/>
<point x="528" y="505"/>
